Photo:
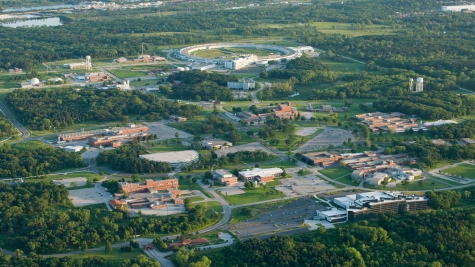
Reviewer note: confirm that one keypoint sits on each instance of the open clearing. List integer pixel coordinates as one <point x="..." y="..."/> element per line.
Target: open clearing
<point x="329" y="136"/>
<point x="335" y="173"/>
<point x="88" y="196"/>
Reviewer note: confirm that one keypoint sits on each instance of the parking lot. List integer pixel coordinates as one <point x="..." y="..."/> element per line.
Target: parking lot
<point x="284" y="218"/>
<point x="88" y="196"/>
<point x="302" y="185"/>
<point x="163" y="131"/>
<point x="306" y="131"/>
<point x="249" y="147"/>
<point x="329" y="136"/>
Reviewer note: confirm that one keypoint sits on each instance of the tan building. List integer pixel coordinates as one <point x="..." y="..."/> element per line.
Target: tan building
<point x="321" y="158"/>
<point x="285" y="111"/>
<point x="225" y="177"/>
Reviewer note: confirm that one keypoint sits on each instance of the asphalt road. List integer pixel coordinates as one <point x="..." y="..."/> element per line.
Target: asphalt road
<point x="17" y="124"/>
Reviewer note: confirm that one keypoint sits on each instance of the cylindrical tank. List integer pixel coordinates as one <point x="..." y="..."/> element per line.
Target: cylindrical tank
<point x="180" y="69"/>
<point x="88" y="57"/>
<point x="419" y="80"/>
<point x="411" y="79"/>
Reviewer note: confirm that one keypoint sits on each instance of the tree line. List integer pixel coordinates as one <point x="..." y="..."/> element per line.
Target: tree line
<point x="127" y="158"/>
<point x="44" y="108"/>
<point x="43" y="160"/>
<point x="6" y="127"/>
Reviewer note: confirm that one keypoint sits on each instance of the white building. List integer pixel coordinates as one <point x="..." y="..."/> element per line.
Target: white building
<point x="203" y="67"/>
<point x="377" y="179"/>
<point x="245" y="85"/>
<point x="216" y="144"/>
<point x="457" y="8"/>
<point x="73" y="149"/>
<point x="240" y="63"/>
<point x="333" y="215"/>
<point x="175" y="159"/>
<point x="438" y="123"/>
<point x="77" y="65"/>
<point x="261" y="175"/>
<point x="225" y="177"/>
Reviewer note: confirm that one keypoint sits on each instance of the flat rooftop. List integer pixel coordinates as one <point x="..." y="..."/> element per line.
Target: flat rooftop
<point x="173" y="157"/>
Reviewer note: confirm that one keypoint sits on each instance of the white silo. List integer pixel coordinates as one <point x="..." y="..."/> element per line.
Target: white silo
<point x="419" y="84"/>
<point x="88" y="63"/>
<point x="411" y="84"/>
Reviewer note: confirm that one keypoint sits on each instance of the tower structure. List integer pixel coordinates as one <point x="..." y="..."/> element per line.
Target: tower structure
<point x="411" y="84"/>
<point x="419" y="84"/>
<point x="88" y="63"/>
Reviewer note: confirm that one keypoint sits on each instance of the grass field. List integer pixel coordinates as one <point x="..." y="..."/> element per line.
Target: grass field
<point x="334" y="173"/>
<point x="346" y="29"/>
<point x="50" y="177"/>
<point x="194" y="199"/>
<point x="115" y="257"/>
<point x="161" y="146"/>
<point x="187" y="184"/>
<point x="279" y="164"/>
<point x="254" y="195"/>
<point x="128" y="73"/>
<point x="30" y="145"/>
<point x="346" y="180"/>
<point x="413" y="186"/>
<point x="256" y="210"/>
<point x="464" y="170"/>
<point x="445" y="180"/>
<point x="232" y="52"/>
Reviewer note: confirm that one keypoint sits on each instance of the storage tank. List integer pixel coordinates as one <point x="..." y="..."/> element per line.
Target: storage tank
<point x="180" y="69"/>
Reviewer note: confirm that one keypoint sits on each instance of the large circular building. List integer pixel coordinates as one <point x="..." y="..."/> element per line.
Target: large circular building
<point x="175" y="159"/>
<point x="241" y="61"/>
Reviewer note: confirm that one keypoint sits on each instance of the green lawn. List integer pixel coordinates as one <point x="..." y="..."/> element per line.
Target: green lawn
<point x="50" y="177"/>
<point x="336" y="172"/>
<point x="278" y="164"/>
<point x="445" y="180"/>
<point x="212" y="206"/>
<point x="346" y="29"/>
<point x="162" y="146"/>
<point x="115" y="257"/>
<point x="128" y="73"/>
<point x="464" y="170"/>
<point x="195" y="199"/>
<point x="413" y="186"/>
<point x="232" y="51"/>
<point x="346" y="180"/>
<point x="30" y="145"/>
<point x="254" y="195"/>
<point x="331" y="182"/>
<point x="187" y="184"/>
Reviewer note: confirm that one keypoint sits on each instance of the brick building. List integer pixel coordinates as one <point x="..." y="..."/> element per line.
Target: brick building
<point x="285" y="111"/>
<point x="321" y="158"/>
<point x="260" y="175"/>
<point x="143" y="186"/>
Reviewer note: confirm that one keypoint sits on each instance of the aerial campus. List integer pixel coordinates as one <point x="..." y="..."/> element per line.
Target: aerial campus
<point x="217" y="133"/>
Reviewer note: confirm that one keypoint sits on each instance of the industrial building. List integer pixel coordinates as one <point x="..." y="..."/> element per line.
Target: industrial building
<point x="225" y="177"/>
<point x="114" y="136"/>
<point x="382" y="122"/>
<point x="457" y="8"/>
<point x="244" y="85"/>
<point x="73" y="149"/>
<point x="216" y="144"/>
<point x="174" y="159"/>
<point x="260" y="175"/>
<point x="148" y="185"/>
<point x="203" y="67"/>
<point x="285" y="111"/>
<point x="96" y="77"/>
<point x="81" y="65"/>
<point x="363" y="206"/>
<point x="321" y="158"/>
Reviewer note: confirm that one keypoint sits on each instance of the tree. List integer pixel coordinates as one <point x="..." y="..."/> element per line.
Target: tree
<point x="84" y="247"/>
<point x="248" y="184"/>
<point x="183" y="256"/>
<point x="204" y="262"/>
<point x="250" y="133"/>
<point x="108" y="246"/>
<point x="177" y="135"/>
<point x="405" y="183"/>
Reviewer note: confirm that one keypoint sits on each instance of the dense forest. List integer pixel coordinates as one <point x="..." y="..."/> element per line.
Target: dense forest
<point x="25" y="163"/>
<point x="253" y="156"/>
<point x="6" y="127"/>
<point x="429" y="106"/>
<point x="127" y="158"/>
<point x="200" y="85"/>
<point x="39" y="218"/>
<point x="431" y="238"/>
<point x="465" y="129"/>
<point x="43" y="108"/>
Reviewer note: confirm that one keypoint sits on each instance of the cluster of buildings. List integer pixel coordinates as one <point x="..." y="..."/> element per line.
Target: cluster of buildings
<point x="79" y="65"/>
<point x="364" y="206"/>
<point x="114" y="136"/>
<point x="243" y="61"/>
<point x="167" y="191"/>
<point x="384" y="122"/>
<point x="140" y="58"/>
<point x="216" y="144"/>
<point x="373" y="167"/>
<point x="15" y="70"/>
<point x="282" y="111"/>
<point x="256" y="175"/>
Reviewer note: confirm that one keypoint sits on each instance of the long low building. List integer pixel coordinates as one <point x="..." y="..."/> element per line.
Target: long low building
<point x="260" y="175"/>
<point x="148" y="185"/>
<point x="321" y="158"/>
<point x="175" y="159"/>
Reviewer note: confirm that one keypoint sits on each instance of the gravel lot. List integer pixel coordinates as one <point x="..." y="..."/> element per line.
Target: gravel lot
<point x="329" y="136"/>
<point x="250" y="147"/>
<point x="163" y="131"/>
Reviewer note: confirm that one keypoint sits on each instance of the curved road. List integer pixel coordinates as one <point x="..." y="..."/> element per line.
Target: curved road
<point x="12" y="119"/>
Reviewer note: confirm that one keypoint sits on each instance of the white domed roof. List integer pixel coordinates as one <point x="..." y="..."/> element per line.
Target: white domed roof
<point x="34" y="81"/>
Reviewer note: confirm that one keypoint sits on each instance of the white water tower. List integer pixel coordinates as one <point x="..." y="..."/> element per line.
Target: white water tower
<point x="411" y="84"/>
<point x="419" y="84"/>
<point x="88" y="63"/>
